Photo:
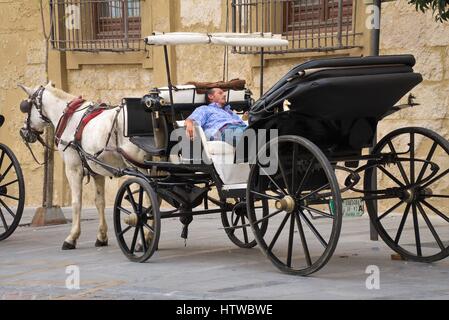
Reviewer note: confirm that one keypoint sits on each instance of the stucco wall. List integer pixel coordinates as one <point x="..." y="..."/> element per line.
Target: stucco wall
<point x="403" y="30"/>
<point x="22" y="56"/>
<point x="22" y="51"/>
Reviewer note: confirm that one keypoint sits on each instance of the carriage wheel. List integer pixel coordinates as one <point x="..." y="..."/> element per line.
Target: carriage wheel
<point x="239" y="231"/>
<point x="305" y="205"/>
<point x="12" y="192"/>
<point x="137" y="219"/>
<point x="416" y="223"/>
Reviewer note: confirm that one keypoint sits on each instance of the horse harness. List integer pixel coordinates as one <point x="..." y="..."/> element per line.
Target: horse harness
<point x="31" y="135"/>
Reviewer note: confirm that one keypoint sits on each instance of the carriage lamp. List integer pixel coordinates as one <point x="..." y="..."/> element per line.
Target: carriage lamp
<point x="153" y="102"/>
<point x="2" y="120"/>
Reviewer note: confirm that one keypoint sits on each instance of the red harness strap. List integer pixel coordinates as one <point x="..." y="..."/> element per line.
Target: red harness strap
<point x="66" y="116"/>
<point x="84" y="122"/>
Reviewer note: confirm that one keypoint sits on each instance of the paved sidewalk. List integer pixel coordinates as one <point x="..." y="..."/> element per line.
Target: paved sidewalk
<point x="32" y="266"/>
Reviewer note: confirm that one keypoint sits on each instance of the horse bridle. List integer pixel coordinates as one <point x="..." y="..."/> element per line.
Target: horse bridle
<point x="28" y="134"/>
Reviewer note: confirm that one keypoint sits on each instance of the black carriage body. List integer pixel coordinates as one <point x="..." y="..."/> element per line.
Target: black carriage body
<point x="336" y="103"/>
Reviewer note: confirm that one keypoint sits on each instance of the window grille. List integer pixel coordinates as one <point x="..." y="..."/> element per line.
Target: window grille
<point x="309" y="25"/>
<point x="96" y="25"/>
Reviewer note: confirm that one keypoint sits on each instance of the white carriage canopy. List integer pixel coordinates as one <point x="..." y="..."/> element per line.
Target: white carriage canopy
<point x="224" y="39"/>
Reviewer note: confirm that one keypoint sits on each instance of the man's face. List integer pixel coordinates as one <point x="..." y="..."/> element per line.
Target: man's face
<point x="219" y="96"/>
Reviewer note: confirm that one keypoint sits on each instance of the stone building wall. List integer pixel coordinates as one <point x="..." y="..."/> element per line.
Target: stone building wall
<point x="22" y="53"/>
<point x="403" y="30"/>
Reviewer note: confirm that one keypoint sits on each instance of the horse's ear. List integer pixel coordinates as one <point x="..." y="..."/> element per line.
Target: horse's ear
<point x="28" y="91"/>
<point x="50" y="84"/>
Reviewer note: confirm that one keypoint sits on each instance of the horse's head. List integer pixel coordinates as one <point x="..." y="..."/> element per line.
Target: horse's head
<point x="37" y="117"/>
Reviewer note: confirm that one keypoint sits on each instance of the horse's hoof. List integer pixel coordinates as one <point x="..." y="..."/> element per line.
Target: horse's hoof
<point x="100" y="244"/>
<point x="68" y="246"/>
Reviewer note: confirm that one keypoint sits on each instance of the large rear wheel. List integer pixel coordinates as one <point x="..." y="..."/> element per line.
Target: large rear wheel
<point x="416" y="223"/>
<point x="304" y="199"/>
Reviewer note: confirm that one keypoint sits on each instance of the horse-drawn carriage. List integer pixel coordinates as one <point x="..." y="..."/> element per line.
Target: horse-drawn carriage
<point x="12" y="190"/>
<point x="325" y="113"/>
<point x="317" y="122"/>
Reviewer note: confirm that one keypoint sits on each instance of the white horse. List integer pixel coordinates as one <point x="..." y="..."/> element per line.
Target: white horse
<point x="95" y="137"/>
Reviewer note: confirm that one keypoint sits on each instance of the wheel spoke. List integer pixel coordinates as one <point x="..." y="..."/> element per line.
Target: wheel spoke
<point x="412" y="158"/>
<point x="9" y="183"/>
<point x="278" y="232"/>
<point x="268" y="216"/>
<point x="436" y="178"/>
<point x="321" y="213"/>
<point x="245" y="232"/>
<point x="274" y="182"/>
<point x="124" y="231"/>
<point x="10" y="197"/>
<point x="133" y="243"/>
<point x="392" y="177"/>
<point x="284" y="177"/>
<point x="401" y="225"/>
<point x="315" y="191"/>
<point x="7" y="170"/>
<point x="7" y="208"/>
<point x="236" y="220"/>
<point x="1" y="159"/>
<point x="146" y="225"/>
<point x="266" y="196"/>
<point x="426" y="164"/>
<point x="401" y="168"/>
<point x="141" y="199"/>
<point x="314" y="230"/>
<point x="416" y="227"/>
<point x="438" y="212"/>
<point x="131" y="199"/>
<point x="305" y="177"/>
<point x="294" y="166"/>
<point x="290" y="241"/>
<point x="431" y="227"/>
<point x="142" y="238"/>
<point x="437" y="196"/>
<point x="390" y="210"/>
<point x="3" y="220"/>
<point x="303" y="239"/>
<point x="124" y="210"/>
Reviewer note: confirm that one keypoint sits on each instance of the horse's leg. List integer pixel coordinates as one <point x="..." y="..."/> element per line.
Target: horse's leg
<point x="75" y="178"/>
<point x="102" y="236"/>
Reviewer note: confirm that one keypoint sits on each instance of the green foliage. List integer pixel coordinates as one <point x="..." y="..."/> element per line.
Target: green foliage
<point x="440" y="8"/>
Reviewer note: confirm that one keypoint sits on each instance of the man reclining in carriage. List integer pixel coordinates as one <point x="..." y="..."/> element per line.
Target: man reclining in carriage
<point x="217" y="119"/>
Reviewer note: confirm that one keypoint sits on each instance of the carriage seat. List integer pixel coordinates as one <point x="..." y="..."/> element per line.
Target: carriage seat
<point x="221" y="155"/>
<point x="187" y="98"/>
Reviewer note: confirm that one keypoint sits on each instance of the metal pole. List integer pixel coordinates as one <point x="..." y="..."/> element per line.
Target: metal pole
<point x="234" y="16"/>
<point x="375" y="45"/>
<point x="170" y="85"/>
<point x="261" y="71"/>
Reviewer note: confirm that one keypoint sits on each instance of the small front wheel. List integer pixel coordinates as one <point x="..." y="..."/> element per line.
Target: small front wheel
<point x="137" y="220"/>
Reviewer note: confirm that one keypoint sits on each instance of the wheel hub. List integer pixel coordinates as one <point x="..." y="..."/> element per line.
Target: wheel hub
<point x="287" y="204"/>
<point x="132" y="220"/>
<point x="3" y="190"/>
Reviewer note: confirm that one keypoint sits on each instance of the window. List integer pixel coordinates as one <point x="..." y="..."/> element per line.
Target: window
<point x="96" y="25"/>
<point x="316" y="14"/>
<point x="309" y="25"/>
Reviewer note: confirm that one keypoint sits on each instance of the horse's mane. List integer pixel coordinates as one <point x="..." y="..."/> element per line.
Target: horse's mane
<point x="58" y="93"/>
